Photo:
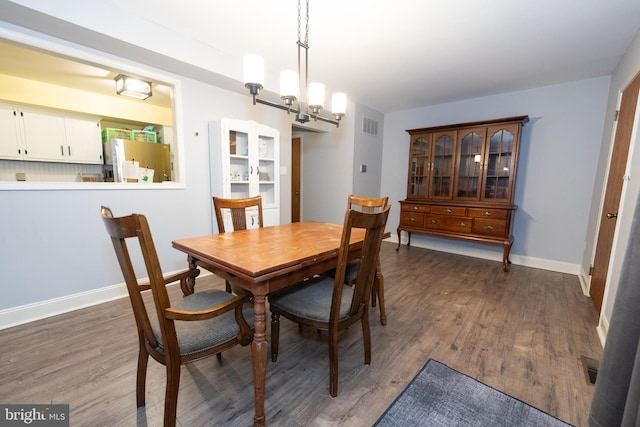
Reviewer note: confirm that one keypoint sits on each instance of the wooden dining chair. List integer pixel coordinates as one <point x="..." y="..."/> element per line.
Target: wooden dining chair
<point x="369" y="205"/>
<point x="329" y="304"/>
<point x="238" y="209"/>
<point x="196" y="326"/>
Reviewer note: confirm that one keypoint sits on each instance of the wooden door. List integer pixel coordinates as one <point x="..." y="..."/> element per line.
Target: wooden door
<point x="613" y="192"/>
<point x="295" y="178"/>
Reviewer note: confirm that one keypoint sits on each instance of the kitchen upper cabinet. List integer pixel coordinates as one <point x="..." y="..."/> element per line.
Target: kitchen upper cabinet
<point x="11" y="146"/>
<point x="48" y="136"/>
<point x="245" y="158"/>
<point x="84" y="139"/>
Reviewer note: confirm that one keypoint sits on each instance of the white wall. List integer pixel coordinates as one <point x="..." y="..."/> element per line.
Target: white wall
<point x="556" y="167"/>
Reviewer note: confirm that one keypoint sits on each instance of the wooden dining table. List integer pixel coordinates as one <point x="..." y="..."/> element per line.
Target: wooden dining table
<point x="264" y="260"/>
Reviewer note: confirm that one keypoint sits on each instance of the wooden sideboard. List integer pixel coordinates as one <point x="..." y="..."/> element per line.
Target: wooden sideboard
<point x="461" y="182"/>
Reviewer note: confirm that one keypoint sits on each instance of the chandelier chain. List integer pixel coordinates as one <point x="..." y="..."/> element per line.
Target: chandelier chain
<point x="306" y="29"/>
<point x="306" y="33"/>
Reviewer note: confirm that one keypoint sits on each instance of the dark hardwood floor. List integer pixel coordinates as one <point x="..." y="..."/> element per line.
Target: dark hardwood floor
<point x="521" y="332"/>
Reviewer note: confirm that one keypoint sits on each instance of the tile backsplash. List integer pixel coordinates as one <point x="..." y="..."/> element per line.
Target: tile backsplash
<point x="46" y="171"/>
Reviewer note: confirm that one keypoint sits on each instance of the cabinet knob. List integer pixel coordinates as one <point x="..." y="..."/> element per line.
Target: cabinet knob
<point x="433" y="221"/>
<point x="488" y="227"/>
<point x="415" y="208"/>
<point x="412" y="219"/>
<point x="462" y="224"/>
<point x="486" y="213"/>
<point x="448" y="210"/>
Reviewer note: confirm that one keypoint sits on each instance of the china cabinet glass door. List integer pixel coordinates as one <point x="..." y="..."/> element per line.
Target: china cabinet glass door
<point x="500" y="155"/>
<point x="470" y="163"/>
<point x="239" y="164"/>
<point x="420" y="165"/>
<point x="442" y="168"/>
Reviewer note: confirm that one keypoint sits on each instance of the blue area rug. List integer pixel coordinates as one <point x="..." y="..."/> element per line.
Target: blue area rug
<point x="441" y="396"/>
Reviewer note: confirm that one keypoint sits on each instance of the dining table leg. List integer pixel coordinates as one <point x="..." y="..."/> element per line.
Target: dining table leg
<point x="259" y="350"/>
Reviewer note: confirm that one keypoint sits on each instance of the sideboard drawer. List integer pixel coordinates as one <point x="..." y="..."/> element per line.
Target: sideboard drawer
<point x="488" y="213"/>
<point x="449" y="210"/>
<point x="415" y="208"/>
<point x="411" y="219"/>
<point x="447" y="223"/>
<point x="489" y="227"/>
<point x="457" y="224"/>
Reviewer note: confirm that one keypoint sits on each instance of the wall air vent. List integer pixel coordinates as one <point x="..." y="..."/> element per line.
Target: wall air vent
<point x="369" y="126"/>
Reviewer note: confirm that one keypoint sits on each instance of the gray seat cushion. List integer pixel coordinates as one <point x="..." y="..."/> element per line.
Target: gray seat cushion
<point x="194" y="336"/>
<point x="350" y="273"/>
<point x="311" y="299"/>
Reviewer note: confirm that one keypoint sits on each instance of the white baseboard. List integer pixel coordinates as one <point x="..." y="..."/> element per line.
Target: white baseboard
<point x="479" y="251"/>
<point x="40" y="310"/>
<point x="28" y="313"/>
<point x="603" y="329"/>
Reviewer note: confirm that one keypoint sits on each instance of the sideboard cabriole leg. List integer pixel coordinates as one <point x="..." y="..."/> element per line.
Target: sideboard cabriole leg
<point x="505" y="255"/>
<point x="399" y="238"/>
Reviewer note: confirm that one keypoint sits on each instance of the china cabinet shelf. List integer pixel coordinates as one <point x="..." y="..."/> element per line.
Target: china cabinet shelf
<point x="461" y="182"/>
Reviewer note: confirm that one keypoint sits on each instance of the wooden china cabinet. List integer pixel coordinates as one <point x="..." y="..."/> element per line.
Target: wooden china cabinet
<point x="461" y="182"/>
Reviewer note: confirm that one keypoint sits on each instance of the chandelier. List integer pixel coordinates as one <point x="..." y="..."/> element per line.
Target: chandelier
<point x="311" y="103"/>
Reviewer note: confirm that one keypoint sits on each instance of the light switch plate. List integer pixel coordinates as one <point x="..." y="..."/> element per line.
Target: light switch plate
<point x="21" y="176"/>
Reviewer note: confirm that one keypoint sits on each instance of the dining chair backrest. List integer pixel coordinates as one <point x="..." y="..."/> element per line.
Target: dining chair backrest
<point x="238" y="209"/>
<point x="136" y="226"/>
<point x="374" y="224"/>
<point x="367" y="204"/>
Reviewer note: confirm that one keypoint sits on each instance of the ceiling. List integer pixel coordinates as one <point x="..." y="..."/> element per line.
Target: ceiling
<point x="386" y="55"/>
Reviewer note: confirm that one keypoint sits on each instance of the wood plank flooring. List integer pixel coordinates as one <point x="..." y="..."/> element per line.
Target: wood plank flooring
<point x="521" y="332"/>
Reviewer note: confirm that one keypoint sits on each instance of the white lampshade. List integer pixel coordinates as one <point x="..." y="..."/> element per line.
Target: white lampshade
<point x="316" y="95"/>
<point x="289" y="84"/>
<point x="339" y="104"/>
<point x="253" y="69"/>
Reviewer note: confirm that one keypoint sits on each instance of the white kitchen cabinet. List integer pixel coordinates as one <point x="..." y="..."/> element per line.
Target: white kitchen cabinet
<point x="48" y="136"/>
<point x="245" y="162"/>
<point x="11" y="146"/>
<point x="84" y="140"/>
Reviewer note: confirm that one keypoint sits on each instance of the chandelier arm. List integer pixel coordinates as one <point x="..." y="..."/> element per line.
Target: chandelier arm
<point x="288" y="109"/>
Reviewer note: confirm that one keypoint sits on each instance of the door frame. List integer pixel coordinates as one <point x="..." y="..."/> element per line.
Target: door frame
<point x="614" y="249"/>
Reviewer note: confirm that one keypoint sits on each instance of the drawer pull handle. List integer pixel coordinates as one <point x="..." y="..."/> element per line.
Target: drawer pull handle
<point x="433" y="221"/>
<point x="415" y="208"/>
<point x="448" y="210"/>
<point x="412" y="219"/>
<point x="488" y="227"/>
<point x="462" y="224"/>
<point x="486" y="213"/>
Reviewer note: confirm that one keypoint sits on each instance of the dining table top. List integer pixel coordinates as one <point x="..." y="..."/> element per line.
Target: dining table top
<point x="260" y="253"/>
